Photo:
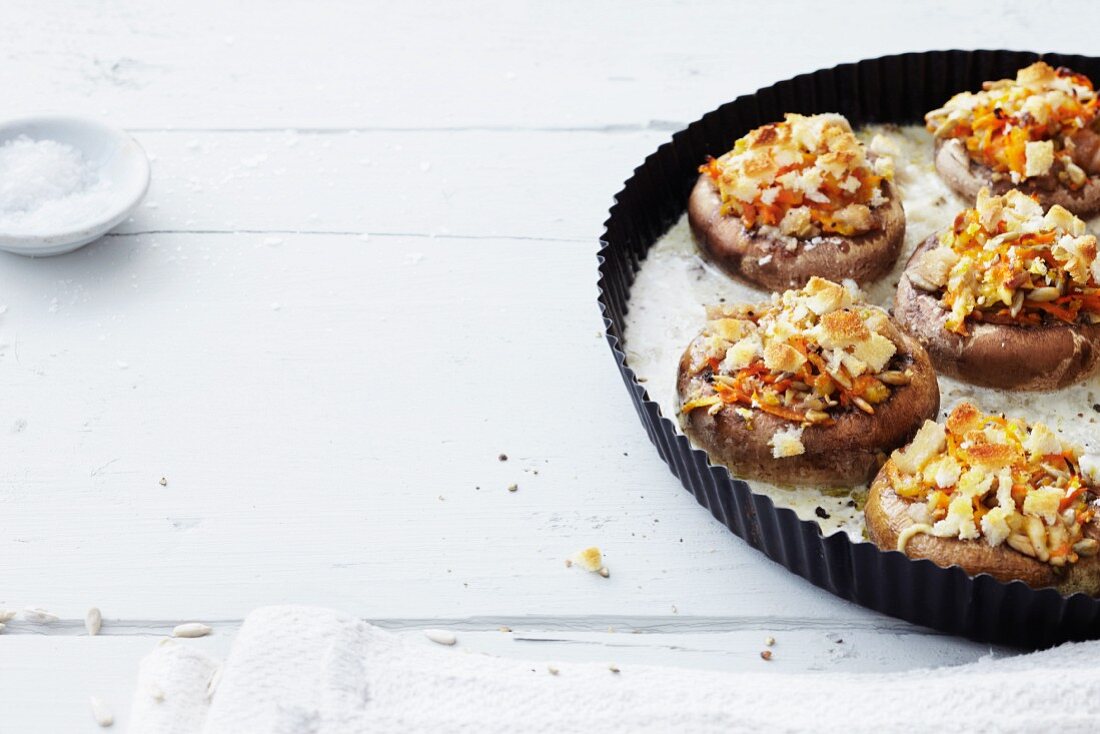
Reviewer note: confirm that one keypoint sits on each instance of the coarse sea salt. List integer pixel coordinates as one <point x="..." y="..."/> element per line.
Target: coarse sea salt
<point x="46" y="185"/>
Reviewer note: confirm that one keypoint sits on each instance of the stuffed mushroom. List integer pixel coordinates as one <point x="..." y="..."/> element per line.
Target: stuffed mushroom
<point x="991" y="495"/>
<point x="813" y="387"/>
<point x="1037" y="132"/>
<point x="1007" y="297"/>
<point x="795" y="199"/>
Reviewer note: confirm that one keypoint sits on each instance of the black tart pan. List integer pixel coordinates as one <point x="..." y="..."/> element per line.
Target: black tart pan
<point x="897" y="89"/>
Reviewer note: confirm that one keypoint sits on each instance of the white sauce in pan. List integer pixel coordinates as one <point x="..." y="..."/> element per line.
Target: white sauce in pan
<point x="674" y="284"/>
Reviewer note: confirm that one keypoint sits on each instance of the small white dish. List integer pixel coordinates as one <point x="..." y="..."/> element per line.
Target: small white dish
<point x="116" y="156"/>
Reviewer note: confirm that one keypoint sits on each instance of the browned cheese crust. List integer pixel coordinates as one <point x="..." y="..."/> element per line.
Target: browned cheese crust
<point x="1009" y="357"/>
<point x="847" y="453"/>
<point x="966" y="178"/>
<point x="763" y="259"/>
<point x="887" y="517"/>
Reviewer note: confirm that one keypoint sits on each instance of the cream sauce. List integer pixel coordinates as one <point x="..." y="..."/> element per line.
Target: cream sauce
<point x="675" y="284"/>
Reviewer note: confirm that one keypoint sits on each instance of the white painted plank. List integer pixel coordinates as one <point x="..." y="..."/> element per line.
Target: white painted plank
<point x="532" y="185"/>
<point x="310" y="400"/>
<point x="310" y="404"/>
<point x="420" y="64"/>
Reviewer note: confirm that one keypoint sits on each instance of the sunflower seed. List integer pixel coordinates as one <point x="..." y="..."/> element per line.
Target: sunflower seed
<point x="191" y="629"/>
<point x="441" y="637"/>
<point x="100" y="712"/>
<point x="842" y="379"/>
<point x="769" y="641"/>
<point x="93" y="621"/>
<point x="895" y="377"/>
<point x="1076" y="174"/>
<point x="1037" y="534"/>
<point x="552" y="670"/>
<point x="39" y="616"/>
<point x="943" y="128"/>
<point x="1044" y="294"/>
<point x="863" y="405"/>
<point x="604" y="572"/>
<point x="614" y="668"/>
<point x="1017" y="304"/>
<point x="1021" y="544"/>
<point x="1086" y="547"/>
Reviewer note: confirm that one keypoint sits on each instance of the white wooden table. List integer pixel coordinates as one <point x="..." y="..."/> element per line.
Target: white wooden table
<point x="366" y="268"/>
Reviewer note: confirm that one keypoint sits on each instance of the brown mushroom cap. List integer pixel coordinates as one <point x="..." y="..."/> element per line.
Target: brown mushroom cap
<point x="966" y="177"/>
<point x="847" y="453"/>
<point x="762" y="258"/>
<point x="1009" y="357"/>
<point x="887" y="516"/>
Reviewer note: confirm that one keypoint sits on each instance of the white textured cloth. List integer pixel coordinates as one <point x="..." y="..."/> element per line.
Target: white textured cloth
<point x="171" y="695"/>
<point x="299" y="670"/>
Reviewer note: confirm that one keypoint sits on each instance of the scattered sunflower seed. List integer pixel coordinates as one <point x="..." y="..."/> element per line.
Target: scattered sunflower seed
<point x="604" y="572"/>
<point x="513" y="487"/>
<point x="769" y="641"/>
<point x="505" y="629"/>
<point x="191" y="629"/>
<point x="613" y="668"/>
<point x="552" y="670"/>
<point x="164" y="481"/>
<point x="503" y="457"/>
<point x="39" y="616"/>
<point x="100" y="712"/>
<point x="441" y="637"/>
<point x="93" y="621"/>
<point x="766" y="654"/>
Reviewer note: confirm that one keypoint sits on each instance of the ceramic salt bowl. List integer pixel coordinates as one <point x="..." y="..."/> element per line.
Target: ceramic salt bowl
<point x="122" y="169"/>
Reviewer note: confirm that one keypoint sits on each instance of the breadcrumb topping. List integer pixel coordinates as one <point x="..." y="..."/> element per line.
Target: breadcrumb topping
<point x="997" y="479"/>
<point x="805" y="357"/>
<point x="1005" y="261"/>
<point x="1024" y="126"/>
<point x="805" y="175"/>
